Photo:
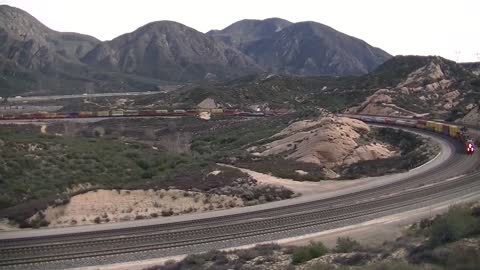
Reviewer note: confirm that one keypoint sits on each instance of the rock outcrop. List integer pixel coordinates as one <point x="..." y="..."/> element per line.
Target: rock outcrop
<point x="328" y="142"/>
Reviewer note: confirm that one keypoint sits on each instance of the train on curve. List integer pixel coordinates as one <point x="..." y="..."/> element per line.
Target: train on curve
<point x="458" y="132"/>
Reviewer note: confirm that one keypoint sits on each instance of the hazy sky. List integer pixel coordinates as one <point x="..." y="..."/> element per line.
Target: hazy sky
<point x="423" y="27"/>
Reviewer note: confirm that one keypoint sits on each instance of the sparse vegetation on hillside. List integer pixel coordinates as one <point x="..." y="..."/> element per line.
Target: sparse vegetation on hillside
<point x="413" y="251"/>
<point x="414" y="151"/>
<point x="39" y="166"/>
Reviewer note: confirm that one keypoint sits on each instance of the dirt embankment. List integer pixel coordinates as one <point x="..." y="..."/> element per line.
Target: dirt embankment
<point x="121" y="205"/>
<point x="103" y="206"/>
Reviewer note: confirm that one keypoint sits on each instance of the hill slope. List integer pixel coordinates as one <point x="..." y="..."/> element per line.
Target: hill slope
<point x="170" y="51"/>
<point x="305" y="48"/>
<point x="245" y="31"/>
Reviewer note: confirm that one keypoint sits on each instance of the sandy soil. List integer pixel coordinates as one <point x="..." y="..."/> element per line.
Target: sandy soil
<point x="5" y="225"/>
<point x="304" y="188"/>
<point x="123" y="205"/>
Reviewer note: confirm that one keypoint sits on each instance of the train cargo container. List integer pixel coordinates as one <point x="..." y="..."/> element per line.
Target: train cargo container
<point x="454" y="131"/>
<point x="229" y="112"/>
<point x="421" y="124"/>
<point x="26" y="116"/>
<point x="217" y="111"/>
<point x="147" y="113"/>
<point x="85" y="114"/>
<point x="430" y="125"/>
<point x="116" y="113"/>
<point x="160" y="112"/>
<point x="191" y="112"/>
<point x="131" y="113"/>
<point x="37" y="116"/>
<point x="73" y="115"/>
<point x="103" y="113"/>
<point x="446" y="129"/>
<point x="51" y="115"/>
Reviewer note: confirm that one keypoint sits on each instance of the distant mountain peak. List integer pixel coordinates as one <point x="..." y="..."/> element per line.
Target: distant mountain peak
<point x="249" y="30"/>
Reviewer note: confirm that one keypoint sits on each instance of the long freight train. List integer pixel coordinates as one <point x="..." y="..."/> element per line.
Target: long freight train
<point x="454" y="131"/>
<point x="128" y="113"/>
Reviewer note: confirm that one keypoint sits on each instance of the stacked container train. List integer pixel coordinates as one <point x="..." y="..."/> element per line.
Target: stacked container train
<point x="454" y="131"/>
<point x="128" y="113"/>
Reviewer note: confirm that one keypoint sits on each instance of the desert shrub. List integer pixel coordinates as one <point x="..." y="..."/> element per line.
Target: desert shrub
<point x="194" y="260"/>
<point x="456" y="224"/>
<point x="463" y="258"/>
<point x="266" y="249"/>
<point x="395" y="265"/>
<point x="247" y="254"/>
<point x="216" y="256"/>
<point x="97" y="220"/>
<point x="167" y="213"/>
<point x="313" y="250"/>
<point x="346" y="245"/>
<point x="321" y="266"/>
<point x="359" y="258"/>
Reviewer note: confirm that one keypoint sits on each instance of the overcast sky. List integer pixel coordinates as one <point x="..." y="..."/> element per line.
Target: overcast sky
<point x="425" y="27"/>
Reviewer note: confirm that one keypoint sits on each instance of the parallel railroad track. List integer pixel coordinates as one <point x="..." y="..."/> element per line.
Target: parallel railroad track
<point x="164" y="240"/>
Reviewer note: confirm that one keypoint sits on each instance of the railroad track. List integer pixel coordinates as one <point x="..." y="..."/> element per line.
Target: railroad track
<point x="39" y="252"/>
<point x="165" y="240"/>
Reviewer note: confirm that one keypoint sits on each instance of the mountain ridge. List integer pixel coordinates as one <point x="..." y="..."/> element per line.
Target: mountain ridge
<point x="37" y="59"/>
<point x="305" y="48"/>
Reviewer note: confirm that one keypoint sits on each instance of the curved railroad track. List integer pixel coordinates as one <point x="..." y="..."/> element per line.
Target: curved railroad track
<point x="457" y="176"/>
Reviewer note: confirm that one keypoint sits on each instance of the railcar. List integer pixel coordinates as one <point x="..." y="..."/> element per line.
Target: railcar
<point x="457" y="132"/>
<point x="102" y="114"/>
<point x="85" y="114"/>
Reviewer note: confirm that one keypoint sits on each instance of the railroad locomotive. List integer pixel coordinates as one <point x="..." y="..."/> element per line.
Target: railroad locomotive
<point x="470" y="147"/>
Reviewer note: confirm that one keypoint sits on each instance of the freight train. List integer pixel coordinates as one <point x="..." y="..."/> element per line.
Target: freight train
<point x="128" y="113"/>
<point x="454" y="131"/>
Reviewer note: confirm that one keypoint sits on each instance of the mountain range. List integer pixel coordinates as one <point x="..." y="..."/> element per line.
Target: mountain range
<point x="35" y="59"/>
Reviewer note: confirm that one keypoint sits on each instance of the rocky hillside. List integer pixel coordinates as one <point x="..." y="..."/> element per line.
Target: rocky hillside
<point x="305" y="48"/>
<point x="403" y="86"/>
<point x="327" y="142"/>
<point x="429" y="86"/>
<point x="28" y="43"/>
<point x="38" y="60"/>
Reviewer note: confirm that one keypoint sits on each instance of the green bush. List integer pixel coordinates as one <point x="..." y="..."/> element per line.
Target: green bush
<point x="456" y="224"/>
<point x="346" y="245"/>
<point x="321" y="266"/>
<point x="313" y="250"/>
<point x="463" y="258"/>
<point x="393" y="266"/>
